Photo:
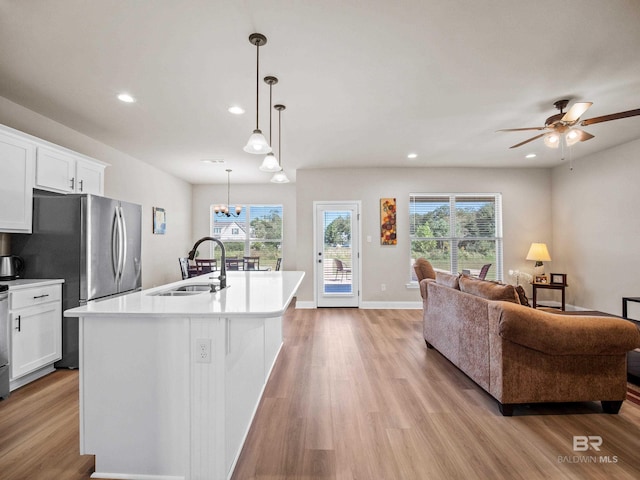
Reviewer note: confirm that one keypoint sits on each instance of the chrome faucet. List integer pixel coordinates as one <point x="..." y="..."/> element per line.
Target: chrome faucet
<point x="223" y="259"/>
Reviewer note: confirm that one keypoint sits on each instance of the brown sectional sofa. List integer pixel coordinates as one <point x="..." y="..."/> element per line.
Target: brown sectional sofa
<point x="520" y="355"/>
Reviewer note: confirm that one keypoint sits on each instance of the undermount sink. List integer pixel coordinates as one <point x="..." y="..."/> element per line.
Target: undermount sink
<point x="187" y="290"/>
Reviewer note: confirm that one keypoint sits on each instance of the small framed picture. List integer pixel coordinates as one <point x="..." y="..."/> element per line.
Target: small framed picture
<point x="541" y="279"/>
<point x="159" y="221"/>
<point x="559" y="278"/>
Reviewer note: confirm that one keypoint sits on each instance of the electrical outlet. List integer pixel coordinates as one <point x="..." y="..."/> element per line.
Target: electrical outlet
<point x="383" y="287"/>
<point x="203" y="350"/>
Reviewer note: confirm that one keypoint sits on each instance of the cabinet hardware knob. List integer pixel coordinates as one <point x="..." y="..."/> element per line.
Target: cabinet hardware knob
<point x="41" y="296"/>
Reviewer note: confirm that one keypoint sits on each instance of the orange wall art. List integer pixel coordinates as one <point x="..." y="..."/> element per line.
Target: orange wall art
<point x="388" y="221"/>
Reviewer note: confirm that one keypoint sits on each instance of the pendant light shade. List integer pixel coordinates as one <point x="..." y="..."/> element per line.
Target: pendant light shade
<point x="257" y="144"/>
<point x="280" y="177"/>
<point x="270" y="162"/>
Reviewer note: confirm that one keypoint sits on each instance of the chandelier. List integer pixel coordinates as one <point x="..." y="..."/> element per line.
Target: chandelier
<point x="222" y="210"/>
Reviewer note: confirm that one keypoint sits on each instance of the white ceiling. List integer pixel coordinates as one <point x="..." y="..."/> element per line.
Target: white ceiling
<point x="364" y="82"/>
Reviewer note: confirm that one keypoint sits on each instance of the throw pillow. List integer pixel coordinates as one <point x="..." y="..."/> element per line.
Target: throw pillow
<point x="448" y="280"/>
<point x="489" y="290"/>
<point x="522" y="296"/>
<point x="424" y="269"/>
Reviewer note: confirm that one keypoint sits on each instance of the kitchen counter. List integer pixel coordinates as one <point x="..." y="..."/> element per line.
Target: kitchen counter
<point x="22" y="283"/>
<point x="254" y="293"/>
<point x="169" y="385"/>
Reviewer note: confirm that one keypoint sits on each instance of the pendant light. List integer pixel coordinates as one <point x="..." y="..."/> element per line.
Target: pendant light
<point x="280" y="177"/>
<point x="257" y="143"/>
<point x="270" y="162"/>
<point x="223" y="210"/>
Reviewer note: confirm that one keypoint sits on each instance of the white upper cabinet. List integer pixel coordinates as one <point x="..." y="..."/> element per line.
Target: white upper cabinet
<point x="16" y="183"/>
<point x="61" y="171"/>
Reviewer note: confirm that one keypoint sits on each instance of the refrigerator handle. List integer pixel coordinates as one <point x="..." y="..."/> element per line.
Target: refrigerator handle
<point x="115" y="245"/>
<point x="123" y="260"/>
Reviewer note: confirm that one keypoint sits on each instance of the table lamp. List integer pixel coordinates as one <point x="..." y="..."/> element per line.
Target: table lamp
<point x="539" y="253"/>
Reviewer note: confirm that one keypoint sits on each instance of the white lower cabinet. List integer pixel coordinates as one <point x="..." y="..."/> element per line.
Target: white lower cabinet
<point x="36" y="324"/>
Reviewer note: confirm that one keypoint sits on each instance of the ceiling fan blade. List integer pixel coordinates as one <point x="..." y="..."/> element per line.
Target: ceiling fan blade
<point x="520" y="129"/>
<point x="613" y="116"/>
<point x="530" y="140"/>
<point x="576" y="111"/>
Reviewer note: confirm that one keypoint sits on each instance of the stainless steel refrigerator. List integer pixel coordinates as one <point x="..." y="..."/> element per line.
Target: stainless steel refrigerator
<point x="92" y="242"/>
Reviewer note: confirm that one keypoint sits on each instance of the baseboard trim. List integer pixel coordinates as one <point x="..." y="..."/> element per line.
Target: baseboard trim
<point x="391" y="305"/>
<point x="305" y="304"/>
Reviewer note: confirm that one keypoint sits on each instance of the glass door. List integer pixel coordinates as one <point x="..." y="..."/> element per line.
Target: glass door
<point x="337" y="258"/>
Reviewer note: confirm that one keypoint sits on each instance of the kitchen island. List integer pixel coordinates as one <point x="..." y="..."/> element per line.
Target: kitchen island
<point x="170" y="378"/>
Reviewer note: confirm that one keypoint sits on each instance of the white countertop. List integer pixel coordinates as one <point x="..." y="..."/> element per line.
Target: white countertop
<point x="252" y="293"/>
<point x="30" y="282"/>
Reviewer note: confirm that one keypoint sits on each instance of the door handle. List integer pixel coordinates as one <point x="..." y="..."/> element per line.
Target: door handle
<point x="73" y="183"/>
<point x="81" y="184"/>
<point x="41" y="296"/>
<point x="19" y="323"/>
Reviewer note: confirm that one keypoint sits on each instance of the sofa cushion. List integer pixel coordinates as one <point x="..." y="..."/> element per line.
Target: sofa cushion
<point x="522" y="296"/>
<point x="448" y="280"/>
<point x="488" y="290"/>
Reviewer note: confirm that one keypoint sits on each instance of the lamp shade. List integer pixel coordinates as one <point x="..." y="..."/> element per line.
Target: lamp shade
<point x="280" y="177"/>
<point x="539" y="252"/>
<point x="552" y="140"/>
<point x="257" y="144"/>
<point x="270" y="163"/>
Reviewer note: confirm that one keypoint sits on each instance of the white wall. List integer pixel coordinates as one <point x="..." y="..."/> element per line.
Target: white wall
<point x="206" y="195"/>
<point x="127" y="179"/>
<point x="526" y="197"/>
<point x="596" y="228"/>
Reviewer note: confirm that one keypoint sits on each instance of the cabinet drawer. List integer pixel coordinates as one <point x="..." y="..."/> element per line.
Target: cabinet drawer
<point x="35" y="296"/>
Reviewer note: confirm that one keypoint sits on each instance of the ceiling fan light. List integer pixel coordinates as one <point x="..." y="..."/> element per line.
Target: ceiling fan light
<point x="572" y="137"/>
<point x="280" y="177"/>
<point x="257" y="144"/>
<point x="552" y="140"/>
<point x="270" y="163"/>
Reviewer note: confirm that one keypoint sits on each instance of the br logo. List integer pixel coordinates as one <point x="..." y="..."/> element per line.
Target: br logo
<point x="582" y="443"/>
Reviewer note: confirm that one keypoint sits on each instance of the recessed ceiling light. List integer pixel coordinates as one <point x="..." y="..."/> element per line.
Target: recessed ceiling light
<point x="125" y="97"/>
<point x="236" y="110"/>
<point x="531" y="155"/>
<point x="412" y="155"/>
<point x="212" y="160"/>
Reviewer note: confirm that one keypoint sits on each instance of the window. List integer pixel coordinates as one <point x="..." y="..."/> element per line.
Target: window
<point x="256" y="232"/>
<point x="457" y="232"/>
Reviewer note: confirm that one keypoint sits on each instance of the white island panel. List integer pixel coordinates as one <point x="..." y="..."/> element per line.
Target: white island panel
<point x="152" y="405"/>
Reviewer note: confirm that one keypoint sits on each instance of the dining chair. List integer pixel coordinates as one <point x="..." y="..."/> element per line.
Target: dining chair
<point x="233" y="263"/>
<point x="483" y="271"/>
<point x="206" y="265"/>
<point x="184" y="267"/>
<point x="251" y="263"/>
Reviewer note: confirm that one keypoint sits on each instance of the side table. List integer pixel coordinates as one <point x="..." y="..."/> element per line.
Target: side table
<point x="548" y="286"/>
<point x="624" y="304"/>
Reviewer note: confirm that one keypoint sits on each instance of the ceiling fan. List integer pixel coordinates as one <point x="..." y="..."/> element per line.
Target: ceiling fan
<point x="562" y="125"/>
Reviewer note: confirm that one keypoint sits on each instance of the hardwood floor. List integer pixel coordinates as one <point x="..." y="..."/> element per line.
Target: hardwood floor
<point x="355" y="395"/>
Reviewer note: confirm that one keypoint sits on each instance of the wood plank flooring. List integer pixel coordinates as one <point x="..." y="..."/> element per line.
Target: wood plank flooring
<point x="355" y="395"/>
